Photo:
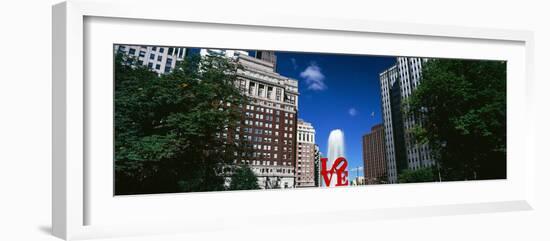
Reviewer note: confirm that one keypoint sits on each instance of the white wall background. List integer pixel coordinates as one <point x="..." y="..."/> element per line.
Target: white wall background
<point x="25" y="120"/>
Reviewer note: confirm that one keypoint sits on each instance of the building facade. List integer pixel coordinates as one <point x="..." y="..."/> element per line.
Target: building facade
<point x="397" y="83"/>
<point x="159" y="59"/>
<point x="358" y="181"/>
<point x="374" y="156"/>
<point x="317" y="166"/>
<point x="305" y="155"/>
<point x="269" y="121"/>
<point x="268" y="56"/>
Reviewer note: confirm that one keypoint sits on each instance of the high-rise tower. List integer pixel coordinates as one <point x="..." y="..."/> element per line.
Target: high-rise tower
<point x="397" y="83"/>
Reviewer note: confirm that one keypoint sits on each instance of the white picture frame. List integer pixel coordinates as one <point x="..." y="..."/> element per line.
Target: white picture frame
<point x="78" y="195"/>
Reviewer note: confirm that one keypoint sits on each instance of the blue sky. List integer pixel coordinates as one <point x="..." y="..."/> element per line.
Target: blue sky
<point x="337" y="92"/>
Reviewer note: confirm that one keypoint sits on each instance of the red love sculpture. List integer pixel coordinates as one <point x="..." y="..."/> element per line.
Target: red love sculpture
<point x="339" y="168"/>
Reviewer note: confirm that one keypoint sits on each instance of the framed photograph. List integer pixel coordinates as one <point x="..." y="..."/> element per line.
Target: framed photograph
<point x="168" y="123"/>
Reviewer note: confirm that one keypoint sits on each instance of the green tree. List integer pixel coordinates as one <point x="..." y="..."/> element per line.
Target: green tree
<point x="462" y="108"/>
<point x="243" y="178"/>
<point x="425" y="174"/>
<point x="169" y="128"/>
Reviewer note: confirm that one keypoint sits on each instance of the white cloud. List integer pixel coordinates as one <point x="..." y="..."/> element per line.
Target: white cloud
<point x="372" y="114"/>
<point x="353" y="112"/>
<point x="314" y="77"/>
<point x="356" y="169"/>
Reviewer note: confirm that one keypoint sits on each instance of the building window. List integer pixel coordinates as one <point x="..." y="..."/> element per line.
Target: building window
<point x="260" y="90"/>
<point x="167" y="68"/>
<point x="161" y="50"/>
<point x="152" y="56"/>
<point x="132" y="51"/>
<point x="269" y="92"/>
<point x="251" y="88"/>
<point x="157" y="67"/>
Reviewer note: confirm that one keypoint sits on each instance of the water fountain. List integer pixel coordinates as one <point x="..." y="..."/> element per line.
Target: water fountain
<point x="335" y="149"/>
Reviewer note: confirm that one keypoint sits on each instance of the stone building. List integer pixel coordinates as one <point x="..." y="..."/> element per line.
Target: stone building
<point x="305" y="155"/>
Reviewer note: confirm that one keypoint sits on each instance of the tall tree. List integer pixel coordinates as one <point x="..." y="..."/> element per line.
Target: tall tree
<point x="462" y="105"/>
<point x="171" y="130"/>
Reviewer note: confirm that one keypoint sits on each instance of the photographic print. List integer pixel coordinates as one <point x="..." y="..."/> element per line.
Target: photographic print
<point x="190" y="119"/>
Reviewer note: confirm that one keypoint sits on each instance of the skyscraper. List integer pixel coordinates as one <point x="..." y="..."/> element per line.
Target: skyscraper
<point x="374" y="155"/>
<point x="269" y="121"/>
<point x="159" y="59"/>
<point x="397" y="83"/>
<point x="305" y="155"/>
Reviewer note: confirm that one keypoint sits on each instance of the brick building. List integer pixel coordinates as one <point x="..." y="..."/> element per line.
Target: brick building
<point x="374" y="155"/>
<point x="269" y="122"/>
